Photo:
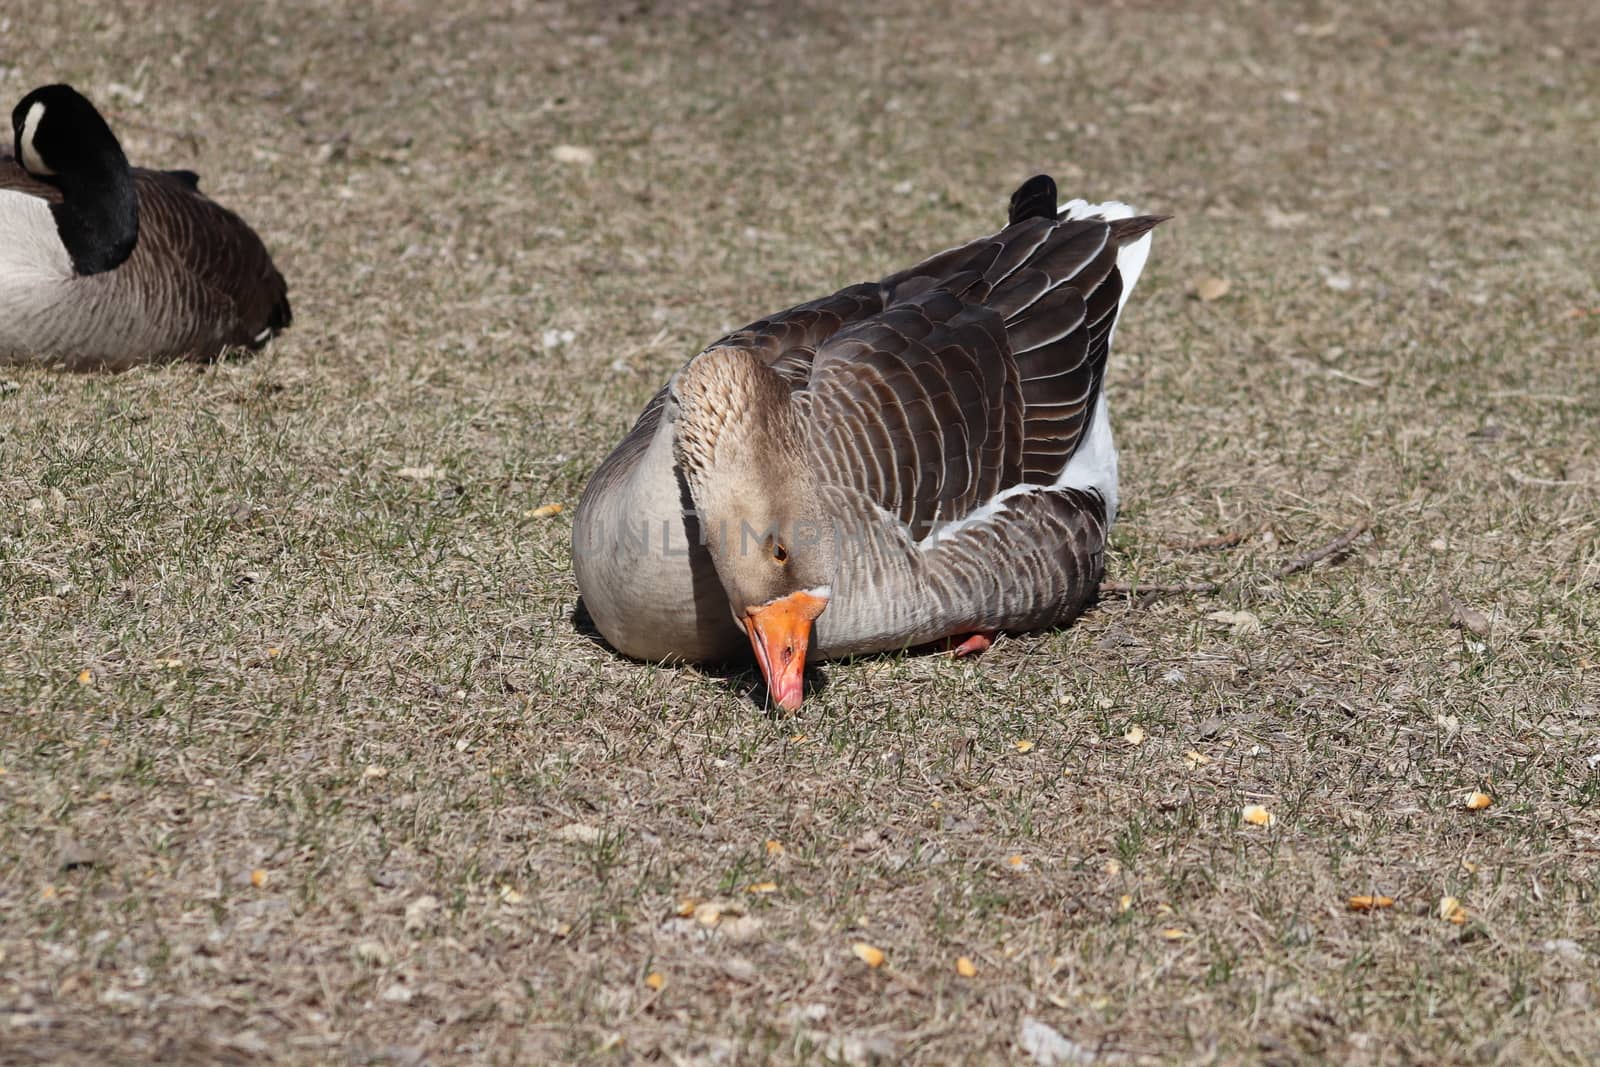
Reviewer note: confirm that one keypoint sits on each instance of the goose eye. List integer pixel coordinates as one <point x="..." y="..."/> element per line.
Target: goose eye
<point x="779" y="553"/>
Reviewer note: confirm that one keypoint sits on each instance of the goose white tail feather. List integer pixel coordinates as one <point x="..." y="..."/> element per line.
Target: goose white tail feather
<point x="1094" y="464"/>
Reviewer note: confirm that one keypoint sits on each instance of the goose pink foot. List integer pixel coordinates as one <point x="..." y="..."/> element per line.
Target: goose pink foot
<point x="973" y="644"/>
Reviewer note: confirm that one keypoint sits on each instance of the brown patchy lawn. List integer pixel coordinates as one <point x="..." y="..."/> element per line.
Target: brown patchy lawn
<point x="292" y="616"/>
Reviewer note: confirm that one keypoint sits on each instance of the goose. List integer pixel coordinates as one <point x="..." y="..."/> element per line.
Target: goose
<point x="921" y="459"/>
<point x="104" y="265"/>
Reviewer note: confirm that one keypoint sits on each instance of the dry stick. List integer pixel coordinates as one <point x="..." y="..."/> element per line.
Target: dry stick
<point x="1337" y="545"/>
<point x="1208" y="544"/>
<point x="1150" y="593"/>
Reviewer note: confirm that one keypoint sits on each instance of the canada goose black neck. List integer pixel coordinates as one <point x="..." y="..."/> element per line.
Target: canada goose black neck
<point x="61" y="139"/>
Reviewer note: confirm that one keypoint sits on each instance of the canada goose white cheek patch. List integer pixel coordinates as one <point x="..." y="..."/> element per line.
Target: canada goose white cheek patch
<point x="30" y="128"/>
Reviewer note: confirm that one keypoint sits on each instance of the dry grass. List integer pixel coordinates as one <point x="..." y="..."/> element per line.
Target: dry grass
<point x="367" y="685"/>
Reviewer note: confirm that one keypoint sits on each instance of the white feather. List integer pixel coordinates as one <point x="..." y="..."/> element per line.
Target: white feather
<point x="34" y="270"/>
<point x="30" y="129"/>
<point x="31" y="251"/>
<point x="1094" y="464"/>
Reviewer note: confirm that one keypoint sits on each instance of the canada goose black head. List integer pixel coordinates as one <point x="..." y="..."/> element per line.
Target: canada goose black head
<point x="63" y="141"/>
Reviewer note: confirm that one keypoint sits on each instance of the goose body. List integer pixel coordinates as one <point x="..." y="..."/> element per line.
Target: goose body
<point x="105" y="266"/>
<point x="924" y="457"/>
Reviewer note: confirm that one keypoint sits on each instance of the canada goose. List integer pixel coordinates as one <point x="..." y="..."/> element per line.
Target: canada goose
<point x="925" y="457"/>
<point x="104" y="266"/>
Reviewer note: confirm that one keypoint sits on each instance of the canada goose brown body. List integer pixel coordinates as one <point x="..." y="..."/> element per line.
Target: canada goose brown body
<point x="146" y="270"/>
<point x="926" y="456"/>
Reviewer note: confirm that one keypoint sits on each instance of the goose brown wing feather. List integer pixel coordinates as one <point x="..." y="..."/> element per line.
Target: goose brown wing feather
<point x="787" y="340"/>
<point x="14" y="179"/>
<point x="929" y="384"/>
<point x="979" y="374"/>
<point x="973" y="371"/>
<point x="241" y="297"/>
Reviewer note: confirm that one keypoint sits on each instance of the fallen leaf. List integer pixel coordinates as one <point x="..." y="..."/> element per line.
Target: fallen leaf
<point x="740" y="928"/>
<point x="686" y="906"/>
<point x="274" y="653"/>
<point x="419" y="913"/>
<point x="868" y="954"/>
<point x="1277" y="219"/>
<point x="168" y="664"/>
<point x="1173" y="933"/>
<point x="572" y="153"/>
<point x="1024" y="746"/>
<point x="1256" y="815"/>
<point x="965" y="967"/>
<point x="543" y="511"/>
<point x="373" y="952"/>
<point x="508" y="895"/>
<point x="1016" y="863"/>
<point x="86" y="677"/>
<point x="374" y="770"/>
<point x="421" y="474"/>
<point x="1125" y="902"/>
<point x="1369" y="903"/>
<point x="258" y="877"/>
<point x="774" y="847"/>
<point x="707" y="914"/>
<point x="1048" y="1047"/>
<point x="762" y="887"/>
<point x="72" y="854"/>
<point x="1240" y="622"/>
<point x="1451" y="910"/>
<point x="1195" y="759"/>
<point x="655" y="981"/>
<point x="1467" y="618"/>
<point x="1477" y="801"/>
<point x="1211" y="288"/>
<point x="1134" y="736"/>
<point x="47" y="893"/>
<point x="579" y="833"/>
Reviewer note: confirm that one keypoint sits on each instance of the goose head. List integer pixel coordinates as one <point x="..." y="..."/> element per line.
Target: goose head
<point x="60" y="139"/>
<point x="740" y="446"/>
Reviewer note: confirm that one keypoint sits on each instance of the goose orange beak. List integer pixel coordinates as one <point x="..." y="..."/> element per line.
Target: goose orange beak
<point x="779" y="631"/>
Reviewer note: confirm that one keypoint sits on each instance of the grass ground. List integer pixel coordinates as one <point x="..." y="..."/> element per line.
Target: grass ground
<point x="305" y="761"/>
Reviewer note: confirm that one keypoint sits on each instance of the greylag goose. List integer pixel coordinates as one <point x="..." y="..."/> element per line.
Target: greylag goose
<point x="103" y="265"/>
<point x="921" y="458"/>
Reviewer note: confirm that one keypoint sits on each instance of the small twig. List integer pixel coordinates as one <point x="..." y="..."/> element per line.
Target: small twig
<point x="1543" y="483"/>
<point x="1522" y="394"/>
<point x="1181" y="589"/>
<point x="1211" y="544"/>
<point x="1337" y="545"/>
<point x="1149" y="594"/>
<point x="1305" y="366"/>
